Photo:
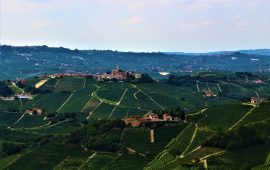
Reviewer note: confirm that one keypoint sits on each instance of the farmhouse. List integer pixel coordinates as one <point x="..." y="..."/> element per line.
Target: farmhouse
<point x="152" y="116"/>
<point x="149" y="118"/>
<point x="167" y="117"/>
<point x="258" y="81"/>
<point x="10" y="98"/>
<point x="34" y="111"/>
<point x="209" y="94"/>
<point x="25" y="95"/>
<point x="134" y="122"/>
<point x="255" y="100"/>
<point x="22" y="82"/>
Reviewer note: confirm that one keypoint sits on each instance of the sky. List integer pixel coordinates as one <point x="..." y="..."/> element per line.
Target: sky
<point x="137" y="25"/>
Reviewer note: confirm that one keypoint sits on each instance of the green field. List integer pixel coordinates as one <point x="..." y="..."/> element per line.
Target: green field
<point x="7" y="119"/>
<point x="241" y="157"/>
<point x="75" y="135"/>
<point x="127" y="161"/>
<point x="69" y="84"/>
<point x="49" y="156"/>
<point x="78" y="100"/>
<point x="50" y="102"/>
<point x="139" y="139"/>
<point x="260" y="114"/>
<point x="31" y="122"/>
<point x="224" y="116"/>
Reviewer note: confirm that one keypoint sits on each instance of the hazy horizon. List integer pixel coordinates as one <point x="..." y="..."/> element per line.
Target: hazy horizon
<point x="137" y="25"/>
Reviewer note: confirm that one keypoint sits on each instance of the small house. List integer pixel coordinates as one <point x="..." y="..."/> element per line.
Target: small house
<point x="34" y="111"/>
<point x="167" y="117"/>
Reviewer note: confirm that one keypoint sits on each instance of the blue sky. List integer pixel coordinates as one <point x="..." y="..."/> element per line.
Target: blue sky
<point x="137" y="25"/>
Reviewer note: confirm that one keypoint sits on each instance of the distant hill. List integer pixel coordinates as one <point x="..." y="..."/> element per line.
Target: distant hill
<point x="29" y="61"/>
<point x="265" y="52"/>
<point x="257" y="52"/>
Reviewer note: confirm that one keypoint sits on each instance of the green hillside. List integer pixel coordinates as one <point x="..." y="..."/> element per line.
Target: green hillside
<point x="81" y="125"/>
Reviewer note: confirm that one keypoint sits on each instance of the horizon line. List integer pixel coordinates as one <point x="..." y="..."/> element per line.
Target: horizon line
<point x="142" y="51"/>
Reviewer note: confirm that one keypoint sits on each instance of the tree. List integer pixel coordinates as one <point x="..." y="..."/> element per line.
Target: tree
<point x="180" y="113"/>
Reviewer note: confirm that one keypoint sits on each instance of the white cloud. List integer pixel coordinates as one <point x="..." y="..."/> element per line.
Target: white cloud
<point x="199" y="24"/>
<point x="131" y="21"/>
<point x="41" y="25"/>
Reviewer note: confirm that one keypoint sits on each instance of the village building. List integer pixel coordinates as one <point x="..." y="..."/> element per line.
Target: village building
<point x="9" y="98"/>
<point x="118" y="75"/>
<point x="209" y="94"/>
<point x="255" y="100"/>
<point x="137" y="76"/>
<point x="149" y="118"/>
<point x="34" y="111"/>
<point x="22" y="82"/>
<point x="167" y="117"/>
<point x="152" y="116"/>
<point x="25" y="95"/>
<point x="258" y="81"/>
<point x="134" y="122"/>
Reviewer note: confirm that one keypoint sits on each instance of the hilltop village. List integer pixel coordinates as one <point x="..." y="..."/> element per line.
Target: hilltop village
<point x="115" y="75"/>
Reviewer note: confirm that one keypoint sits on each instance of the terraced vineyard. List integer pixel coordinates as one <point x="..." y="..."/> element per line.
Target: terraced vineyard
<point x="50" y="102"/>
<point x="69" y="84"/>
<point x="178" y="145"/>
<point x="224" y="116"/>
<point x="78" y="100"/>
<point x="98" y="161"/>
<point x="81" y="126"/>
<point x="184" y="148"/>
<point x="259" y="114"/>
<point x="139" y="139"/>
<point x="53" y="154"/>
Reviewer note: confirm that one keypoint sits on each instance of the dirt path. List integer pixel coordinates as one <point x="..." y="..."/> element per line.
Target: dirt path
<point x="219" y="88"/>
<point x="17" y="121"/>
<point x="197" y="113"/>
<point x="64" y="103"/>
<point x="208" y="88"/>
<point x="136" y="94"/>
<point x="257" y="94"/>
<point x="149" y="97"/>
<point x="87" y="103"/>
<point x="152" y="136"/>
<point x="118" y="103"/>
<point x="198" y="88"/>
<point x="84" y="82"/>
<point x="191" y="141"/>
<point x="56" y="83"/>
<point x="59" y="165"/>
<point x="258" y="122"/>
<point x="89" y="159"/>
<point x="242" y="118"/>
<point x="48" y="125"/>
<point x="90" y="98"/>
<point x="212" y="154"/>
<point x="93" y="110"/>
<point x="41" y="83"/>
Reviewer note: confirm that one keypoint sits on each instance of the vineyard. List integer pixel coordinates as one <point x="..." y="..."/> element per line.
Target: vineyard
<point x="82" y="117"/>
<point x="78" y="100"/>
<point x="5" y="162"/>
<point x="260" y="113"/>
<point x="69" y="84"/>
<point x="225" y="115"/>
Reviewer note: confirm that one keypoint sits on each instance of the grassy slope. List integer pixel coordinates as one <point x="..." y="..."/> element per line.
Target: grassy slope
<point x="225" y="115"/>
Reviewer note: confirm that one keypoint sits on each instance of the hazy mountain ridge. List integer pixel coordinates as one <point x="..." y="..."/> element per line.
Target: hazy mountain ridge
<point x="29" y="61"/>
